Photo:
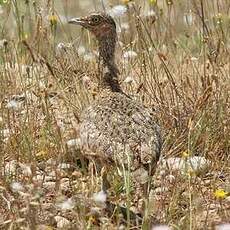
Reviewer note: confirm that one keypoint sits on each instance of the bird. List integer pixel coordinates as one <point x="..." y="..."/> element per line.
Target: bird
<point x="119" y="129"/>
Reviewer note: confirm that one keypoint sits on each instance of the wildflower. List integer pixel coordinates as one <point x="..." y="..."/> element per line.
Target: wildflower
<point x="225" y="226"/>
<point x="66" y="204"/>
<point x="10" y="168"/>
<point x="220" y="194"/>
<point x="73" y="143"/>
<point x="130" y="54"/>
<point x="125" y="26"/>
<point x="86" y="81"/>
<point x="81" y="50"/>
<point x="117" y="10"/>
<point x="219" y="18"/>
<point x="13" y="104"/>
<point x="88" y="57"/>
<point x="191" y="172"/>
<point x="169" y="2"/>
<point x="64" y="166"/>
<point x="17" y="187"/>
<point x="16" y="102"/>
<point x="152" y="2"/>
<point x="26" y="170"/>
<point x="41" y="155"/>
<point x="53" y="20"/>
<point x="188" y="18"/>
<point x="129" y="80"/>
<point x="164" y="49"/>
<point x="61" y="47"/>
<point x="127" y="1"/>
<point x="193" y="59"/>
<point x="151" y="13"/>
<point x="100" y="197"/>
<point x="186" y="154"/>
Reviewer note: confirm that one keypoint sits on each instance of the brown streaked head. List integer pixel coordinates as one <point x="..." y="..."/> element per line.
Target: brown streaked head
<point x="99" y="23"/>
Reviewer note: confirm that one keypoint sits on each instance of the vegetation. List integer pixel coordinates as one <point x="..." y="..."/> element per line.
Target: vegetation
<point x="174" y="56"/>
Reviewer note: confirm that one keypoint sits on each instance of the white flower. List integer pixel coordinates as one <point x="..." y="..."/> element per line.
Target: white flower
<point x="194" y="59"/>
<point x="170" y="178"/>
<point x="161" y="190"/>
<point x="81" y="50"/>
<point x="26" y="170"/>
<point x="129" y="54"/>
<point x="17" y="187"/>
<point x="5" y="133"/>
<point x="164" y="49"/>
<point x="223" y="226"/>
<point x="188" y="19"/>
<point x="129" y="80"/>
<point x="73" y="142"/>
<point x="16" y="102"/>
<point x="151" y="13"/>
<point x="88" y="57"/>
<point x="62" y="48"/>
<point x="100" y="197"/>
<point x="125" y="26"/>
<point x="161" y="227"/>
<point x="13" y="104"/>
<point x="86" y="81"/>
<point x="117" y="10"/>
<point x="10" y="168"/>
<point x="64" y="166"/>
<point x="66" y="204"/>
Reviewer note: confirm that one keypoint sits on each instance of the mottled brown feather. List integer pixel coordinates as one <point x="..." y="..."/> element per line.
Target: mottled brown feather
<point x="115" y="126"/>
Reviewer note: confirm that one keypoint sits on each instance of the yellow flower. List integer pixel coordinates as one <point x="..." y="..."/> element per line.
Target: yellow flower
<point x="53" y="20"/>
<point x="186" y="154"/>
<point x="127" y="1"/>
<point x="191" y="173"/>
<point x="220" y="194"/>
<point x="169" y="2"/>
<point x="153" y="2"/>
<point x="42" y="155"/>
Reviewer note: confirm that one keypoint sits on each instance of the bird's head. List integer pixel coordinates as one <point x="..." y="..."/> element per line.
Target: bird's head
<point x="99" y="23"/>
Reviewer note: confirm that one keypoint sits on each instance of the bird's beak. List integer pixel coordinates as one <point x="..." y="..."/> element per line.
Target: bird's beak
<point x="77" y="21"/>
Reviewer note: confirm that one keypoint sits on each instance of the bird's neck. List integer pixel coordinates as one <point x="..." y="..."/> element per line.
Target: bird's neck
<point x="109" y="73"/>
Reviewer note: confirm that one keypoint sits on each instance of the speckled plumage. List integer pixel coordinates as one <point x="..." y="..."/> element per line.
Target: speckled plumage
<point x="115" y="126"/>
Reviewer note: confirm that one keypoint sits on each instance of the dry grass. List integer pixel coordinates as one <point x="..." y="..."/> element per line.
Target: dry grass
<point x="181" y="70"/>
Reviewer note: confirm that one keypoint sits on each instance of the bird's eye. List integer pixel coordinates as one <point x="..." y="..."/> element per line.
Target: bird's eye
<point x="95" y="20"/>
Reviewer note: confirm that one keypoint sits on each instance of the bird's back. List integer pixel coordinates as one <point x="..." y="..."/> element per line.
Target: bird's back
<point x="117" y="127"/>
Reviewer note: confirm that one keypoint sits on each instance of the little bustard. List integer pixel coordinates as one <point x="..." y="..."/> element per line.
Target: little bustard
<point x="116" y="127"/>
